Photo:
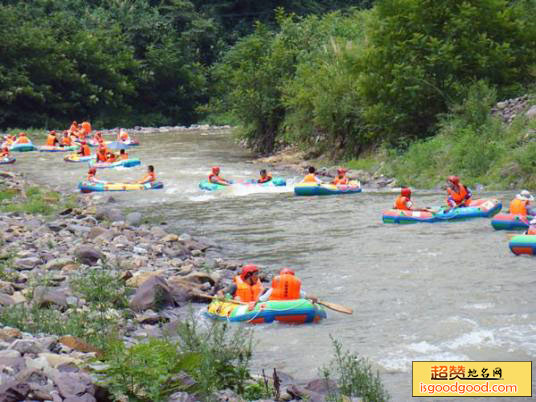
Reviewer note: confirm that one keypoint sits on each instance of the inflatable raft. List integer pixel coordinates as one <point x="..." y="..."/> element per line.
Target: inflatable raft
<point x="75" y="158"/>
<point x="7" y="160"/>
<point x="22" y="147"/>
<point x="51" y="148"/>
<point x="327" y="189"/>
<point x="275" y="182"/>
<point x="523" y="244"/>
<point x="87" y="187"/>
<point x="132" y="143"/>
<point x="299" y="311"/>
<point x="483" y="208"/>
<point x="510" y="222"/>
<point x="127" y="163"/>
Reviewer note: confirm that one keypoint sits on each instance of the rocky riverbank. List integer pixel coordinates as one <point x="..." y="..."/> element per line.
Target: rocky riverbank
<point x="70" y="280"/>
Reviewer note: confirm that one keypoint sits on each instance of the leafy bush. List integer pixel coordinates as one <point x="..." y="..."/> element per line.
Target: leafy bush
<point x="354" y="377"/>
<point x="101" y="287"/>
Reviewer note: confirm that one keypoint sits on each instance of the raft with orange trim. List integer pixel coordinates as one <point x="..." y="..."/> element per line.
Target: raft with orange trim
<point x="510" y="222"/>
<point x="327" y="188"/>
<point x="483" y="208"/>
<point x="87" y="187"/>
<point x="300" y="311"/>
<point x="523" y="244"/>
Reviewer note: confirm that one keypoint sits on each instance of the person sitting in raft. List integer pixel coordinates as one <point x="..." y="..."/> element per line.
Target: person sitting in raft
<point x="110" y="157"/>
<point x="123" y="136"/>
<point x="311" y="177"/>
<point x="102" y="153"/>
<point x="341" y="177"/>
<point x="403" y="201"/>
<point x="150" y="177"/>
<point x="84" y="149"/>
<point x="98" y="137"/>
<point x="86" y="128"/>
<point x="52" y="140"/>
<point x="214" y="177"/>
<point x="265" y="177"/>
<point x="91" y="175"/>
<point x="286" y="286"/>
<point x="520" y="204"/>
<point x="246" y="287"/>
<point x="66" y="140"/>
<point x="23" y="139"/>
<point x="123" y="156"/>
<point x="4" y="153"/>
<point x="74" y="128"/>
<point x="458" y="194"/>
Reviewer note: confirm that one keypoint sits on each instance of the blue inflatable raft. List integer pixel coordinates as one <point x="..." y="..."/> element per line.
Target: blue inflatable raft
<point x="276" y="181"/>
<point x="308" y="189"/>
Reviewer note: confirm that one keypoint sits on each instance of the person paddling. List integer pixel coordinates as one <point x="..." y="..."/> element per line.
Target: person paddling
<point x="311" y="177"/>
<point x="66" y="140"/>
<point x="214" y="177"/>
<point x="4" y="153"/>
<point x="84" y="149"/>
<point x="520" y="204"/>
<point x="246" y="287"/>
<point x="52" y="140"/>
<point x="458" y="194"/>
<point x="123" y="156"/>
<point x="91" y="175"/>
<point x="265" y="177"/>
<point x="341" y="177"/>
<point x="150" y="177"/>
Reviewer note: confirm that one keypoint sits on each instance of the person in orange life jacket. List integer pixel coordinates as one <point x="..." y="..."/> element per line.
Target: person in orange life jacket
<point x="458" y="194"/>
<point x="66" y="140"/>
<point x="532" y="227"/>
<point x="52" y="140"/>
<point x="520" y="204"/>
<point x="123" y="155"/>
<point x="91" y="175"/>
<point x="341" y="177"/>
<point x="214" y="177"/>
<point x="74" y="128"/>
<point x="102" y="153"/>
<point x="403" y="201"/>
<point x="22" y="139"/>
<point x="265" y="177"/>
<point x="5" y="152"/>
<point x="110" y="157"/>
<point x="286" y="286"/>
<point x="311" y="177"/>
<point x="246" y="287"/>
<point x="84" y="149"/>
<point x="98" y="137"/>
<point x="150" y="177"/>
<point x="123" y="136"/>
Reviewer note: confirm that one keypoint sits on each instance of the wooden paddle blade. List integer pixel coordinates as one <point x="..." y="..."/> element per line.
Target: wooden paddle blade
<point x="336" y="307"/>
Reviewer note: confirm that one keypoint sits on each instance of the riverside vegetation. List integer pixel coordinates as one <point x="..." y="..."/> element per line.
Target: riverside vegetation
<point x="95" y="305"/>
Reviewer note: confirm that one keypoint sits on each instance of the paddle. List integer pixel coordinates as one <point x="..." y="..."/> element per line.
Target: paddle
<point x="331" y="306"/>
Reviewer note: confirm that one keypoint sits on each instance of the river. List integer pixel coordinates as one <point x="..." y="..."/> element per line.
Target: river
<point x="446" y="291"/>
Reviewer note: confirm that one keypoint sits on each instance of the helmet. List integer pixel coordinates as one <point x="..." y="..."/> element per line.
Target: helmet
<point x="216" y="170"/>
<point x="453" y="179"/>
<point x="21" y="133"/>
<point x="405" y="192"/>
<point x="286" y="271"/>
<point x="92" y="170"/>
<point x="248" y="269"/>
<point x="341" y="170"/>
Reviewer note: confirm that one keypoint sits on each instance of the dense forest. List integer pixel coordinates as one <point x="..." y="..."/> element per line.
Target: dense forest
<point x="347" y="76"/>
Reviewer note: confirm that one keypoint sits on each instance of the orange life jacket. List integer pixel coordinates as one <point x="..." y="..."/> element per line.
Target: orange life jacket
<point x="265" y="179"/>
<point x="51" y="140"/>
<point x="310" y="178"/>
<point x="245" y="291"/>
<point x="531" y="231"/>
<point x="84" y="150"/>
<point x="124" y="136"/>
<point x="86" y="126"/>
<point x="148" y="178"/>
<point x="518" y="207"/>
<point x="111" y="159"/>
<point x="400" y="203"/>
<point x="285" y="287"/>
<point x="23" y="140"/>
<point x="123" y="157"/>
<point x="340" y="180"/>
<point x="101" y="155"/>
<point x="459" y="197"/>
<point x="67" y="141"/>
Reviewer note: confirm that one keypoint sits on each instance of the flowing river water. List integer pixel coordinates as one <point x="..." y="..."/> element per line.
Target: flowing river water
<point x="446" y="291"/>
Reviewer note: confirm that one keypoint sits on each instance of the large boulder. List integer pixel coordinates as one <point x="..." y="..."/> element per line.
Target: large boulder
<point x="153" y="294"/>
<point x="26" y="263"/>
<point x="109" y="214"/>
<point x="44" y="296"/>
<point x="134" y="219"/>
<point x="57" y="263"/>
<point x="87" y="254"/>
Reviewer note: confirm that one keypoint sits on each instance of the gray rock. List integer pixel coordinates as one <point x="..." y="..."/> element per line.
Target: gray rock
<point x="96" y="231"/>
<point x="79" y="229"/>
<point x="24" y="346"/>
<point x="134" y="219"/>
<point x="139" y="250"/>
<point x="14" y="391"/>
<point x="82" y="398"/>
<point x="87" y="254"/>
<point x="6" y="300"/>
<point x="321" y="386"/>
<point x="182" y="397"/>
<point x="44" y="296"/>
<point x="531" y="113"/>
<point x="26" y="263"/>
<point x="154" y="293"/>
<point x="32" y="375"/>
<point x="225" y="395"/>
<point x="185" y="237"/>
<point x="57" y="263"/>
<point x="158" y="232"/>
<point x="8" y="354"/>
<point x="109" y="214"/>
